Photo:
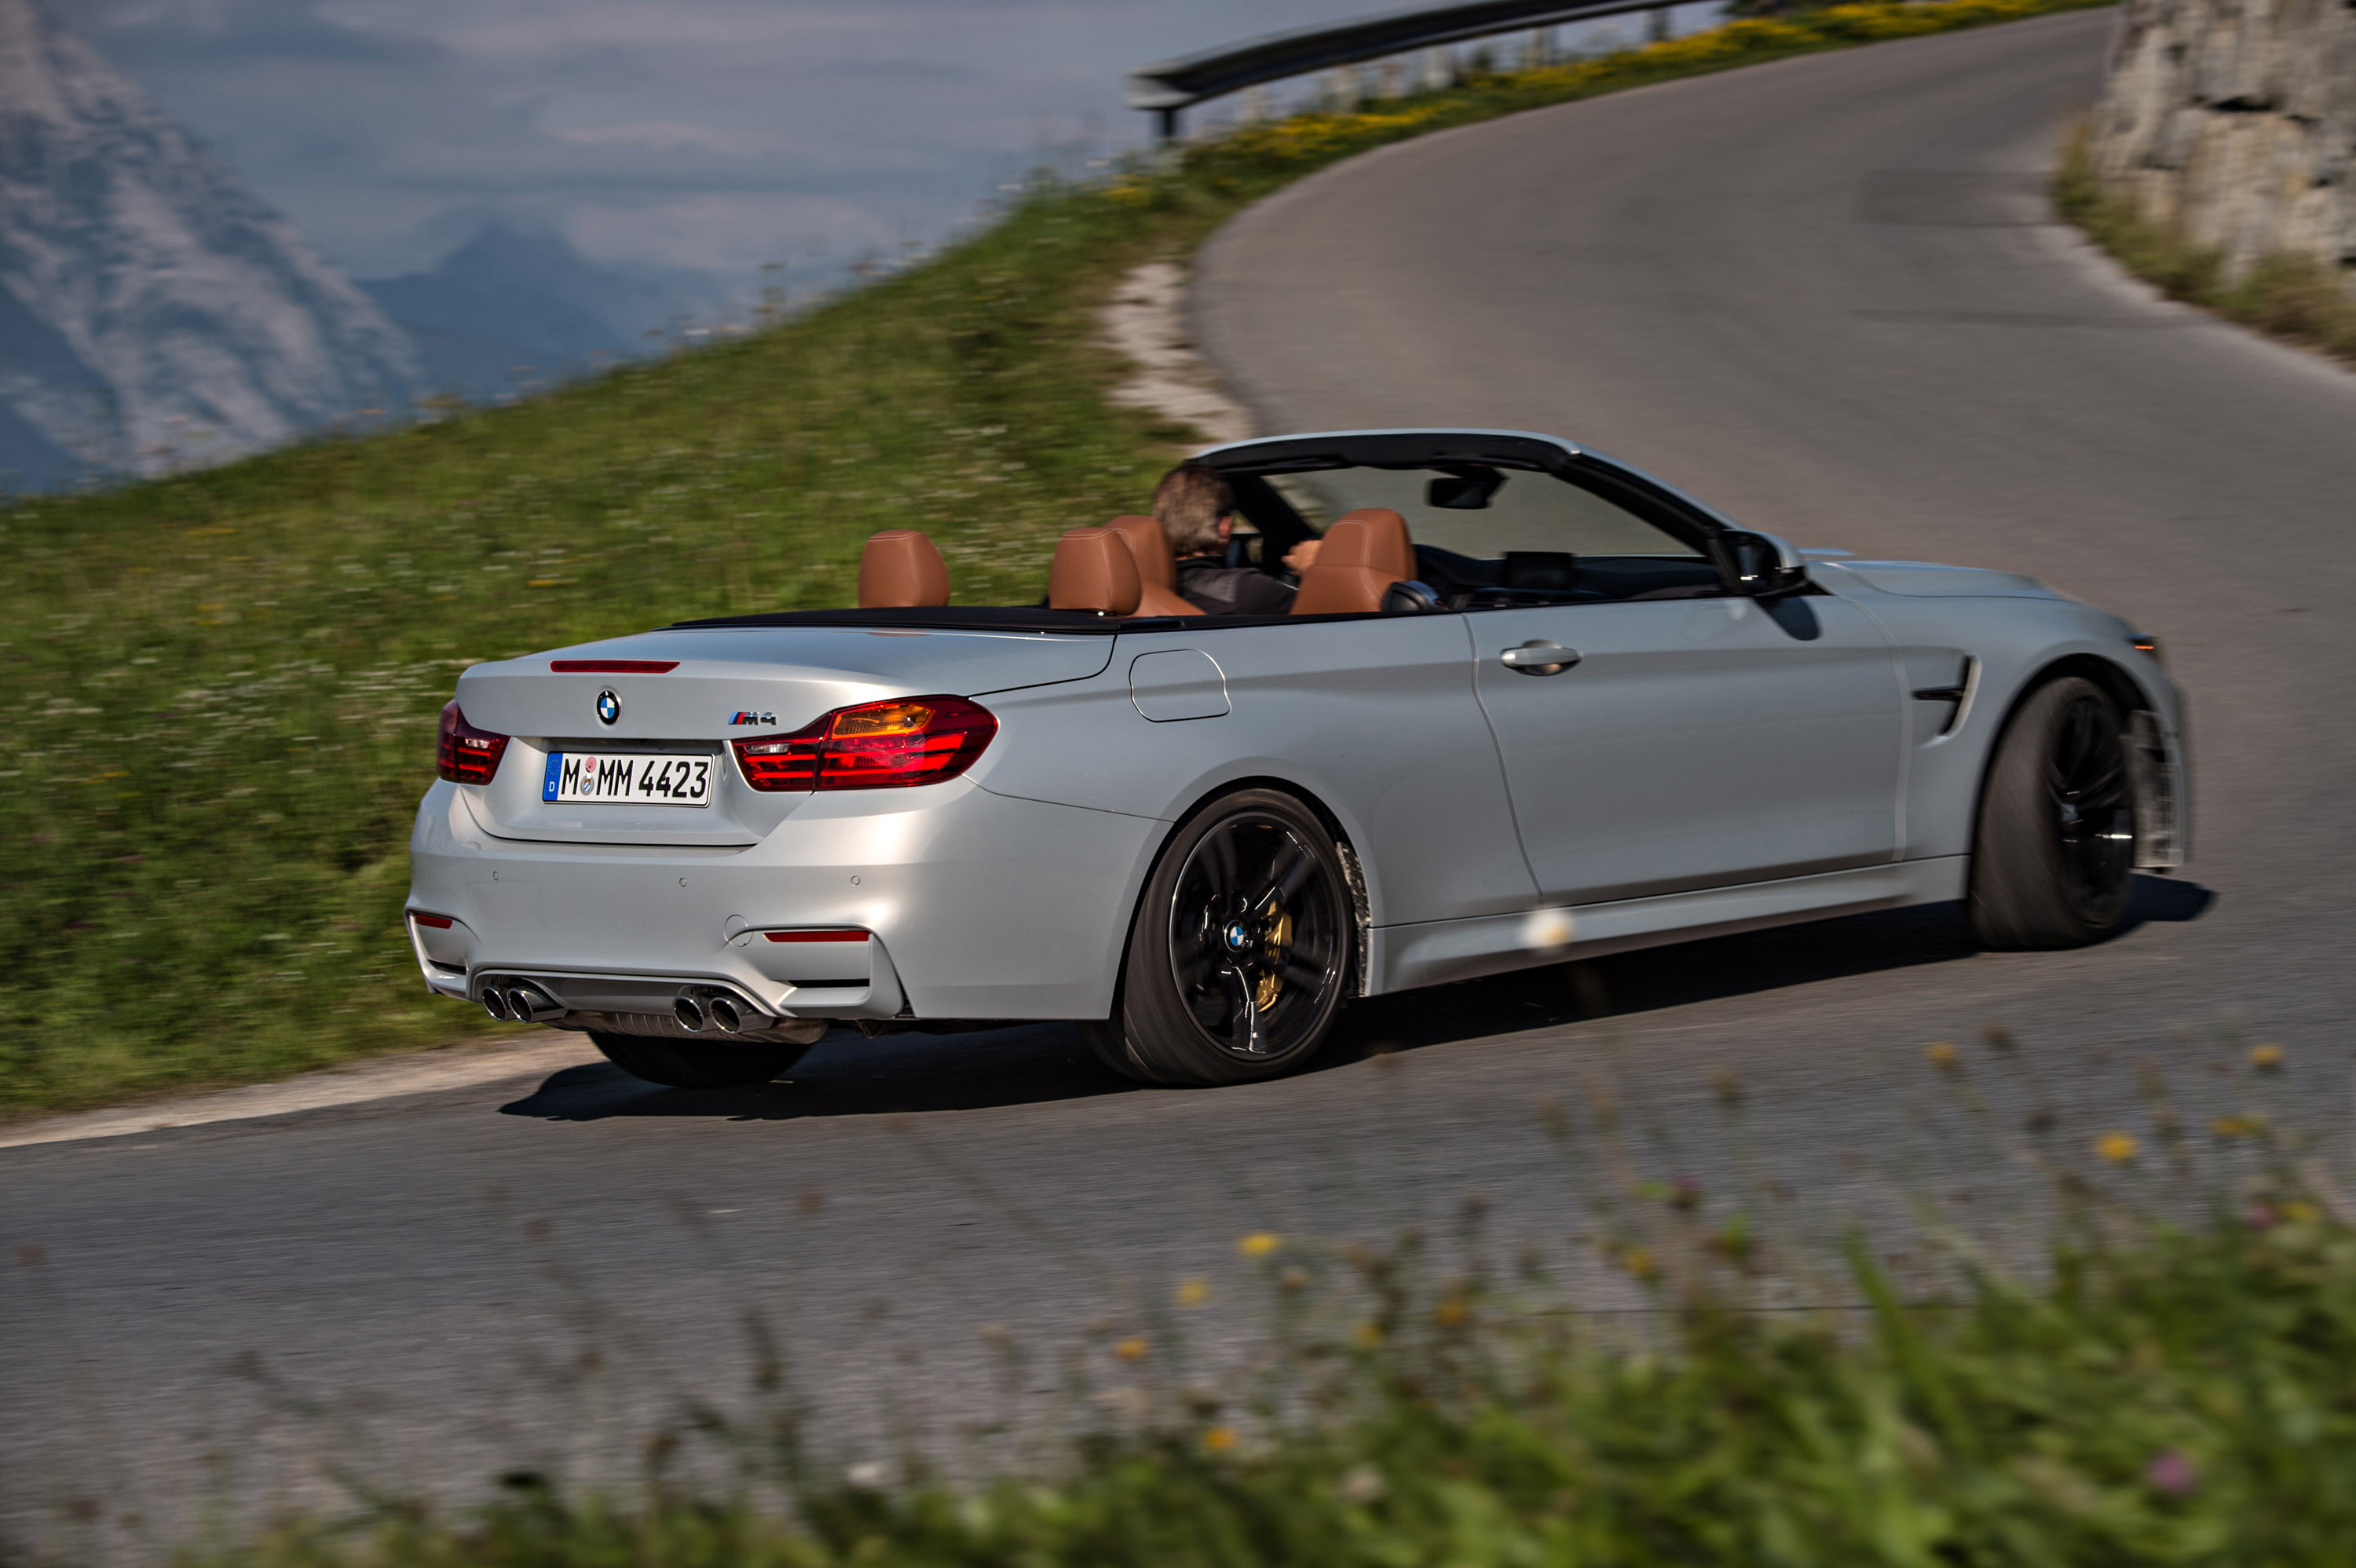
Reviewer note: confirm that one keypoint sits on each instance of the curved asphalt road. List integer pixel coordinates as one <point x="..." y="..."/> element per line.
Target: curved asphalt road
<point x="1824" y="294"/>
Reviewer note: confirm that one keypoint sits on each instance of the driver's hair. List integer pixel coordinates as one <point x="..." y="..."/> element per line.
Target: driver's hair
<point x="1188" y="504"/>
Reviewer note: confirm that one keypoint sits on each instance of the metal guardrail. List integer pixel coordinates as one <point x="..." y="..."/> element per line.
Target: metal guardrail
<point x="1171" y="86"/>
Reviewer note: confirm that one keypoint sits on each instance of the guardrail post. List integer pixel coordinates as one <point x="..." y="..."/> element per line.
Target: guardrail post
<point x="1659" y="19"/>
<point x="1167" y="124"/>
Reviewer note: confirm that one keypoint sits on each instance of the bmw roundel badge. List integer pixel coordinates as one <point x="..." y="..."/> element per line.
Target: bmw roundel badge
<point x="609" y="707"/>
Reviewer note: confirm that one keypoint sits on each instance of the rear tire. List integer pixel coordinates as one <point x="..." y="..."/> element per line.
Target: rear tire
<point x="1240" y="950"/>
<point x="2054" y="850"/>
<point x="692" y="1063"/>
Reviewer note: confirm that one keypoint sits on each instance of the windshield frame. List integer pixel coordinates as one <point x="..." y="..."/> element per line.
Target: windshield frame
<point x="1676" y="515"/>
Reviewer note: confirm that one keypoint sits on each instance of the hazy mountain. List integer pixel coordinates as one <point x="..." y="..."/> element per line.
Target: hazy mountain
<point x="152" y="310"/>
<point x="506" y="310"/>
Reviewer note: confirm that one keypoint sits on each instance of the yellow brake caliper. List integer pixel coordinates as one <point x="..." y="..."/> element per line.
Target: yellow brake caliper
<point x="1277" y="936"/>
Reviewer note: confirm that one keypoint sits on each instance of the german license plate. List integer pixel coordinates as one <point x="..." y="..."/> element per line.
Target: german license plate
<point x="627" y="778"/>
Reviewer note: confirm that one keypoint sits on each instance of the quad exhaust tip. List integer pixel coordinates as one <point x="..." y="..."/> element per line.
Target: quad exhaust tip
<point x="697" y="1009"/>
<point x="521" y="1004"/>
<point x="707" y="1008"/>
<point x="527" y="1004"/>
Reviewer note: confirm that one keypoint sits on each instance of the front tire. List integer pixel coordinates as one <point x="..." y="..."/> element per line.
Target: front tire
<point x="2054" y="850"/>
<point x="692" y="1063"/>
<point x="1240" y="951"/>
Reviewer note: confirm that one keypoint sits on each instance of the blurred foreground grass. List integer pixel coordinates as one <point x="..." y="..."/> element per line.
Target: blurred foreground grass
<point x="220" y="687"/>
<point x="2170" y="1382"/>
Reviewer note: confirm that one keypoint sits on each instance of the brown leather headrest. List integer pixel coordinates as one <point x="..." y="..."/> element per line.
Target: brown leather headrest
<point x="1374" y="538"/>
<point x="1363" y="554"/>
<point x="1156" y="565"/>
<point x="900" y="568"/>
<point x="1093" y="570"/>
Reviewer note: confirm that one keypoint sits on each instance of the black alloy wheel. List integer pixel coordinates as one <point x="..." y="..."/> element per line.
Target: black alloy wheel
<point x="2053" y="858"/>
<point x="695" y="1063"/>
<point x="1241" y="949"/>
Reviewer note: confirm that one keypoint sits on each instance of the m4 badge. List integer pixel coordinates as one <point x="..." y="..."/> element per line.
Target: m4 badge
<point x="750" y="718"/>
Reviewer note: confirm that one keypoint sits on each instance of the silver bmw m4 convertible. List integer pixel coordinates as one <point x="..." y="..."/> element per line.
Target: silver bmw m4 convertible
<point x="1529" y="705"/>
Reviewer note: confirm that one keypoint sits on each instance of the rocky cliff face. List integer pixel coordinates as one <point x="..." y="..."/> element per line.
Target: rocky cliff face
<point x="152" y="311"/>
<point x="2234" y="122"/>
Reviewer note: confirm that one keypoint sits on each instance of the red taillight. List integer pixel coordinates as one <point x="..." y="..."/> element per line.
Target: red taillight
<point x="613" y="667"/>
<point x="468" y="755"/>
<point x="876" y="745"/>
<point x="438" y="922"/>
<point x="839" y="935"/>
<point x="784" y="762"/>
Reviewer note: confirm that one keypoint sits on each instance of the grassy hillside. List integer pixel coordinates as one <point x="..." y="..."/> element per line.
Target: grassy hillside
<point x="221" y="688"/>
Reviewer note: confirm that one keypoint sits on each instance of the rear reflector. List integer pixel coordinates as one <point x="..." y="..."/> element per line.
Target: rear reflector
<point x="816" y="935"/>
<point x="438" y="922"/>
<point x="468" y="755"/>
<point x="613" y="667"/>
<point x="876" y="745"/>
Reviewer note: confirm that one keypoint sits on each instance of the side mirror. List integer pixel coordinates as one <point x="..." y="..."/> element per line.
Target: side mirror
<point x="1758" y="566"/>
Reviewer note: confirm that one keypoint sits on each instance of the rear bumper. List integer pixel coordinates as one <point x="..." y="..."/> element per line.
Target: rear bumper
<point x="979" y="906"/>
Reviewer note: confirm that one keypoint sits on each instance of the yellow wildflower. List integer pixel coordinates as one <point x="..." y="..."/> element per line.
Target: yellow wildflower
<point x="1259" y="1244"/>
<point x="1130" y="1349"/>
<point x="2266" y="1058"/>
<point x="1939" y="1054"/>
<point x="1367" y="1336"/>
<point x="2117" y="1147"/>
<point x="1218" y="1439"/>
<point x="1452" y="1313"/>
<point x="1193" y="1292"/>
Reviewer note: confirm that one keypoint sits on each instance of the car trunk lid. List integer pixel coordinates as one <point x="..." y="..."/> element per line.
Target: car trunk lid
<point x="632" y="702"/>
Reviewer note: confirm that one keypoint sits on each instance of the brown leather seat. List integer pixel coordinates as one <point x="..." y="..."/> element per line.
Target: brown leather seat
<point x="899" y="570"/>
<point x="1364" y="552"/>
<point x="1157" y="568"/>
<point x="1093" y="569"/>
<point x="1152" y="601"/>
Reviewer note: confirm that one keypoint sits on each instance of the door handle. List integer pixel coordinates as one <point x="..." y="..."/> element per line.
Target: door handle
<point x="1540" y="658"/>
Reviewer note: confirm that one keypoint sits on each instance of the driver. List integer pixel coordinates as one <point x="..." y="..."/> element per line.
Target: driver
<point x="1195" y="509"/>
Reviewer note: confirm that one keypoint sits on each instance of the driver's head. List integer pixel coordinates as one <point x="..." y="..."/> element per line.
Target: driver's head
<point x="1189" y="504"/>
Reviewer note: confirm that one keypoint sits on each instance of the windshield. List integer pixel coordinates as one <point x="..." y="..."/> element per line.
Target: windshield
<point x="1489" y="537"/>
<point x="1519" y="511"/>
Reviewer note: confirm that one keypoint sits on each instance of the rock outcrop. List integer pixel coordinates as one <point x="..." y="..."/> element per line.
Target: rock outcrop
<point x="2233" y="124"/>
<point x="152" y="312"/>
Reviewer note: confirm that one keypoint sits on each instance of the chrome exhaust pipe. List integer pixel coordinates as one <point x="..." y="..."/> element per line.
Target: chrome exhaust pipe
<point x="689" y="1014"/>
<point x="495" y="1002"/>
<point x="528" y="1004"/>
<point x="723" y="1015"/>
